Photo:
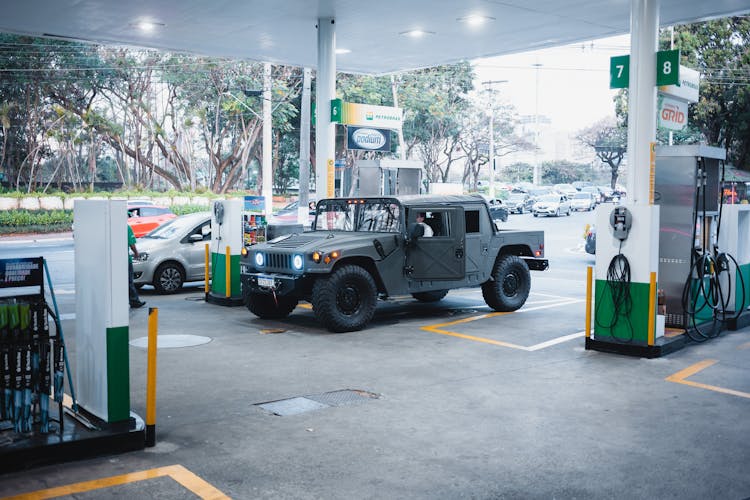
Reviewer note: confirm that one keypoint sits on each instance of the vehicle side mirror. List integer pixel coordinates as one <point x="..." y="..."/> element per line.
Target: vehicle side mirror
<point x="195" y="238"/>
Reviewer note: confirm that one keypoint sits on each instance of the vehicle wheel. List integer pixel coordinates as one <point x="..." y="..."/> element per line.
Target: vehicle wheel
<point x="265" y="307"/>
<point x="168" y="277"/>
<point x="520" y="210"/>
<point x="430" y="296"/>
<point x="536" y="214"/>
<point x="568" y="214"/>
<point x="510" y="284"/>
<point x="345" y="301"/>
<point x="557" y="213"/>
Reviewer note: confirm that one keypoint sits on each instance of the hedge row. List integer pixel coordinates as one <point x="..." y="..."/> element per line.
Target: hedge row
<point x="35" y="221"/>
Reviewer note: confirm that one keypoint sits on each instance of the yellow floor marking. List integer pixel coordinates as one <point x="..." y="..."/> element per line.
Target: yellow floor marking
<point x="746" y="345"/>
<point x="305" y="306"/>
<point x="439" y="328"/>
<point x="177" y="472"/>
<point x="681" y="376"/>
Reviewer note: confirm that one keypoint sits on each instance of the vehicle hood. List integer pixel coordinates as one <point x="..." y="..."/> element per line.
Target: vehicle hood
<point x="152" y="245"/>
<point x="321" y="241"/>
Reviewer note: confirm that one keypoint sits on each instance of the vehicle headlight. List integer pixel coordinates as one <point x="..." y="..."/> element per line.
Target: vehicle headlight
<point x="260" y="259"/>
<point x="142" y="257"/>
<point x="297" y="262"/>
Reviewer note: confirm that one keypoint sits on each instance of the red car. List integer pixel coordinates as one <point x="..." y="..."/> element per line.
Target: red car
<point x="143" y="218"/>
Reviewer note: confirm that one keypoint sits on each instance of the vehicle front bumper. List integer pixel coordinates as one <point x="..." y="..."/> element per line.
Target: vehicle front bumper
<point x="276" y="283"/>
<point x="546" y="211"/>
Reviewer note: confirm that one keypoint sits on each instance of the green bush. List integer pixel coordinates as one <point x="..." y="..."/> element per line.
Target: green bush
<point x="33" y="221"/>
<point x="188" y="209"/>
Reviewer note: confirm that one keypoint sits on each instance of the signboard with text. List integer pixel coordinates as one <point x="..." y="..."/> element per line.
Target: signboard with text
<point x="21" y="272"/>
<point x="368" y="139"/>
<point x="672" y="113"/>
<point x="687" y="88"/>
<point x="667" y="69"/>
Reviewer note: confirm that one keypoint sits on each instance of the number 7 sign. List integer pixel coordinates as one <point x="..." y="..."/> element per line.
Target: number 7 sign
<point x="667" y="69"/>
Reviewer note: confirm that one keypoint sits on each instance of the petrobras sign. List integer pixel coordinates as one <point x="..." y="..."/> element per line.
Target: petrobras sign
<point x="672" y="113"/>
<point x="688" y="86"/>
<point x="368" y="139"/>
<point x="366" y="115"/>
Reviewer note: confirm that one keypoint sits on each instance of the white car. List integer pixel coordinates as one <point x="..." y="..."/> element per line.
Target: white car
<point x="173" y="253"/>
<point x="583" y="202"/>
<point x="551" y="204"/>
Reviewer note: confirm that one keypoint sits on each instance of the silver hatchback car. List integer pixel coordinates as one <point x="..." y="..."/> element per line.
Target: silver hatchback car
<point x="173" y="253"/>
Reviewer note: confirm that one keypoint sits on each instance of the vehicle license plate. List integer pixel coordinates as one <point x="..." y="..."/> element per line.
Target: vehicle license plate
<point x="265" y="281"/>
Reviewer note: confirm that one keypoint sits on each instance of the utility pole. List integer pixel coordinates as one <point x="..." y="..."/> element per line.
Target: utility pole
<point x="536" y="177"/>
<point x="267" y="187"/>
<point x="491" y="154"/>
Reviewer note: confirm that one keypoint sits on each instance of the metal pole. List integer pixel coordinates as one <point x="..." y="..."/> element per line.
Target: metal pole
<point x="228" y="268"/>
<point x="536" y="178"/>
<point x="153" y="326"/>
<point x="267" y="191"/>
<point x="304" y="150"/>
<point x="644" y="29"/>
<point x="325" y="90"/>
<point x="491" y="154"/>
<point x="589" y="279"/>
<point x="400" y="131"/>
<point x="206" y="270"/>
<point x="651" y="308"/>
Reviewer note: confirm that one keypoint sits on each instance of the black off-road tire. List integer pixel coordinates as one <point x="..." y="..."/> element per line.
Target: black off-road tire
<point x="168" y="278"/>
<point x="433" y="296"/>
<point x="510" y="286"/>
<point x="345" y="301"/>
<point x="264" y="307"/>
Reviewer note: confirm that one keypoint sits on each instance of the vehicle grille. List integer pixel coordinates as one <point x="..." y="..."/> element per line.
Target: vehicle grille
<point x="278" y="261"/>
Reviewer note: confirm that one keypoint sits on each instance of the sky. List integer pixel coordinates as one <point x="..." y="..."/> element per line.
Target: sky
<point x="573" y="81"/>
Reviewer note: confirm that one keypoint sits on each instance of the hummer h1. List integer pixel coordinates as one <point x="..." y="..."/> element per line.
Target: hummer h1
<point x="360" y="249"/>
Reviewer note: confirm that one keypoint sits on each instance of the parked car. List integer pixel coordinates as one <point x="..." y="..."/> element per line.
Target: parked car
<point x="608" y="194"/>
<point x="173" y="253"/>
<point x="594" y="190"/>
<point x="519" y="202"/>
<point x="498" y="210"/>
<point x="589" y="235"/>
<point x="551" y="204"/>
<point x="145" y="217"/>
<point x="583" y="202"/>
<point x="566" y="189"/>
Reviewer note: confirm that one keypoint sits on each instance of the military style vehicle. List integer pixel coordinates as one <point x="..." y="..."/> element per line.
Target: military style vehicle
<point x="362" y="249"/>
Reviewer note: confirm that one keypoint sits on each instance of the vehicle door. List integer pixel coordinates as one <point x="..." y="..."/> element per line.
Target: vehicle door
<point x="478" y="231"/>
<point x="441" y="256"/>
<point x="194" y="251"/>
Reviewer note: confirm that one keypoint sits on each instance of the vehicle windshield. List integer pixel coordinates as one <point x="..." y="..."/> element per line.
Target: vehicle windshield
<point x="582" y="196"/>
<point x="170" y="229"/>
<point x="550" y="197"/>
<point x="517" y="197"/>
<point x="377" y="216"/>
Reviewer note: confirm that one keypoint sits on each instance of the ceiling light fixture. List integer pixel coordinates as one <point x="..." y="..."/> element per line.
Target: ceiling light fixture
<point x="416" y="33"/>
<point x="147" y="26"/>
<point x="475" y="19"/>
<point x="342" y="51"/>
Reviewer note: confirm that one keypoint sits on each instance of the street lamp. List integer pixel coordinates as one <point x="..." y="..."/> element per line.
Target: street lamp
<point x="491" y="107"/>
<point x="536" y="128"/>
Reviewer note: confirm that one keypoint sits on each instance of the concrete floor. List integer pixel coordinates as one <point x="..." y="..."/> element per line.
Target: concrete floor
<point x="469" y="405"/>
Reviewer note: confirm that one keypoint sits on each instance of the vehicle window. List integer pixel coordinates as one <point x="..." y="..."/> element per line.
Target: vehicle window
<point x="151" y="211"/>
<point x="582" y="196"/>
<point x="359" y="215"/>
<point x="439" y="222"/>
<point x="472" y="221"/>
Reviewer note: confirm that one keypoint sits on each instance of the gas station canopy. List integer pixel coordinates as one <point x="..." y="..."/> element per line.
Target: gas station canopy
<point x="378" y="35"/>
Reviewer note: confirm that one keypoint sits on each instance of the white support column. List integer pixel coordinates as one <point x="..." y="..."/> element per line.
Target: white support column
<point x="267" y="188"/>
<point x="304" y="151"/>
<point x="644" y="38"/>
<point x="325" y="131"/>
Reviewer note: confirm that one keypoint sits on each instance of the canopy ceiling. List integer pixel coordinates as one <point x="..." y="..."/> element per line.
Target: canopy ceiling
<point x="283" y="31"/>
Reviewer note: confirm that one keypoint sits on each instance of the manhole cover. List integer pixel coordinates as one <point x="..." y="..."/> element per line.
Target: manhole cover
<point x="312" y="402"/>
<point x="171" y="341"/>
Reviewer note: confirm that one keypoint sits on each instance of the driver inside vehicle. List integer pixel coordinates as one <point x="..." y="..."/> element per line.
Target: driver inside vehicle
<point x="421" y="228"/>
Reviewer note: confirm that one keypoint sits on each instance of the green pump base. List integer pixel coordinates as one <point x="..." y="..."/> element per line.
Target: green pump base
<point x="662" y="346"/>
<point x="223" y="300"/>
<point x="75" y="442"/>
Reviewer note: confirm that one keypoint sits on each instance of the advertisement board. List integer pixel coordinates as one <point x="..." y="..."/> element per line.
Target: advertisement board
<point x="368" y="138"/>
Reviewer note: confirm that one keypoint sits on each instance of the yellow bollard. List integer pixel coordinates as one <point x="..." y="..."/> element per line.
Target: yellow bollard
<point x="207" y="272"/>
<point x="229" y="273"/>
<point x="153" y="323"/>
<point x="589" y="274"/>
<point x="651" y="308"/>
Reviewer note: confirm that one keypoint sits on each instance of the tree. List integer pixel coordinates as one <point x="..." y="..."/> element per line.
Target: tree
<point x="610" y="142"/>
<point x="720" y="51"/>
